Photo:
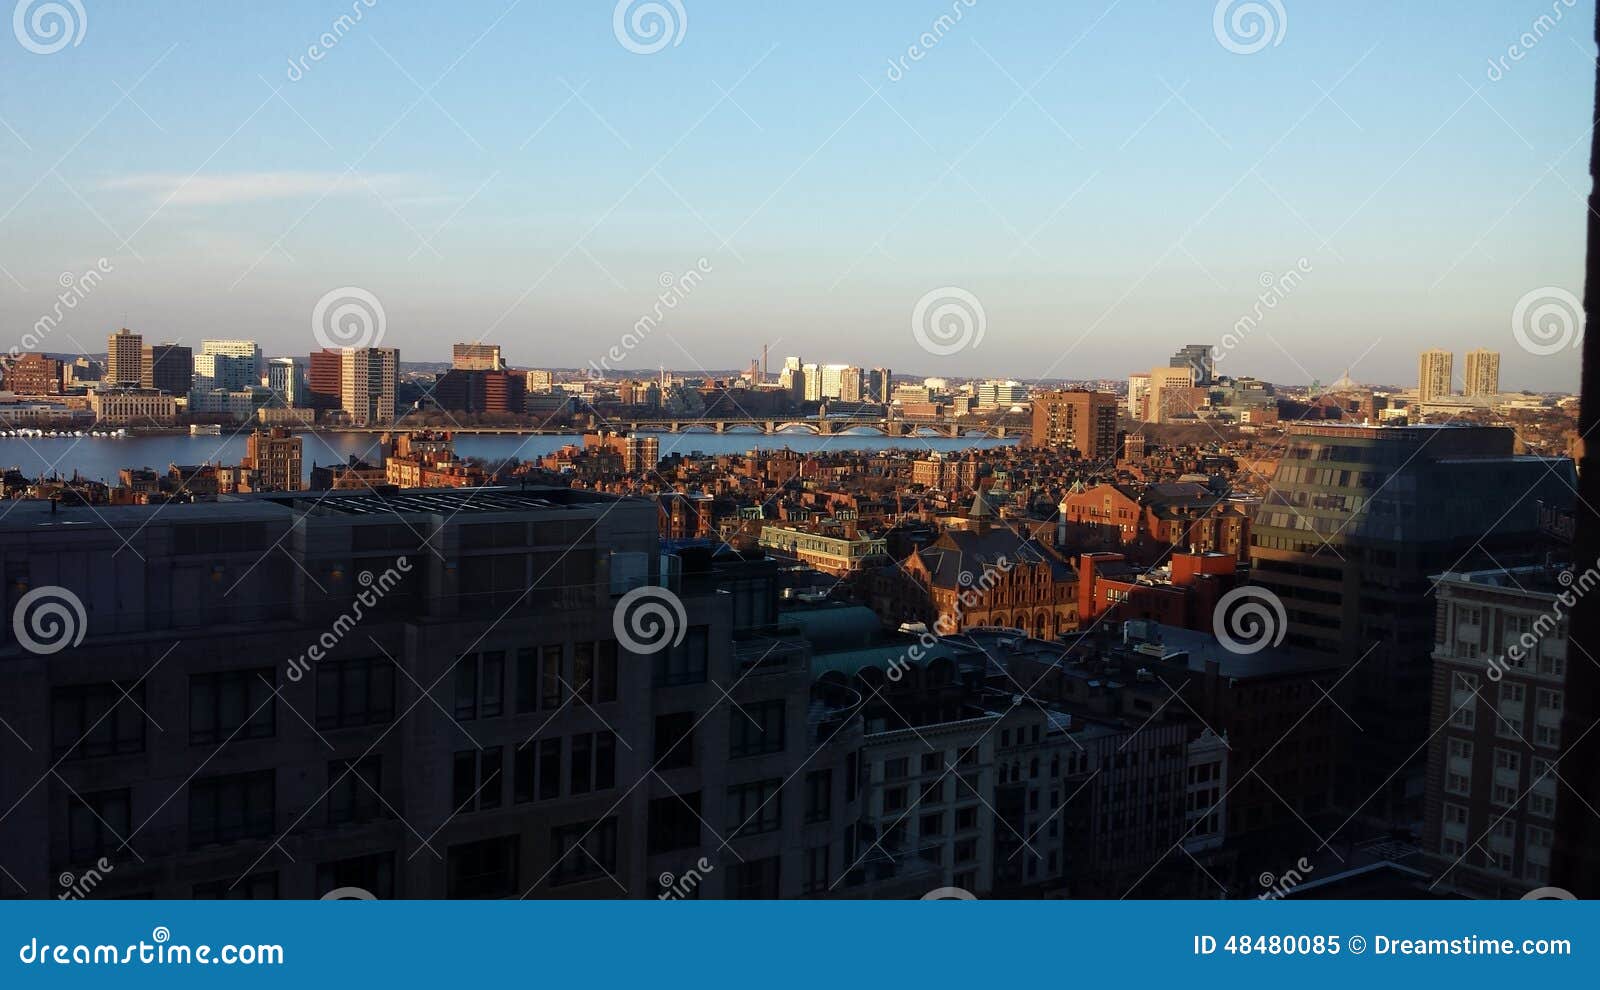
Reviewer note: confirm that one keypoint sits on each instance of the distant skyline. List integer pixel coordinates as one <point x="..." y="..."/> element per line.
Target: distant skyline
<point x="1108" y="179"/>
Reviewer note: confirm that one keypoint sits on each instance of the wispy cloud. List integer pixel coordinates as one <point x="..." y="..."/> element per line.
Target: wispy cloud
<point x="252" y="187"/>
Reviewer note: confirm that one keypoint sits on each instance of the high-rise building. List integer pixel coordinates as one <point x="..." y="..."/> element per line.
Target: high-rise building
<point x="1435" y="375"/>
<point x="813" y="382"/>
<point x="169" y="368"/>
<point x="367" y="388"/>
<point x="227" y="366"/>
<point x="477" y="357"/>
<point x="1197" y="358"/>
<point x="1170" y="392"/>
<point x="325" y="379"/>
<point x="881" y="388"/>
<point x="1357" y="523"/>
<point x="274" y="460"/>
<point x="1080" y="420"/>
<point x="1138" y="395"/>
<point x="852" y="384"/>
<point x="539" y="381"/>
<point x="34" y="374"/>
<point x="1483" y="374"/>
<point x="286" y="376"/>
<point x="124" y="358"/>
<point x="481" y="391"/>
<point x="994" y="394"/>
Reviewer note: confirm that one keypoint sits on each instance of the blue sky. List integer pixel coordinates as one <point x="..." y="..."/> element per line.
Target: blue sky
<point x="1109" y="180"/>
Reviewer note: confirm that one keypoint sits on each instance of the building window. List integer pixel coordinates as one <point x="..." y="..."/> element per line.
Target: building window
<point x="553" y="687"/>
<point x="480" y="685"/>
<point x="355" y="790"/>
<point x="757" y="729"/>
<point x="894" y="799"/>
<point x="233" y="807"/>
<point x="966" y="850"/>
<point x="966" y="818"/>
<point x="816" y="875"/>
<point x="353" y="693"/>
<point x="819" y="796"/>
<point x="675" y="740"/>
<point x="94" y="720"/>
<point x="1455" y="814"/>
<point x="234" y="704"/>
<point x="583" y="851"/>
<point x="757" y="879"/>
<point x="593" y="762"/>
<point x="686" y="662"/>
<point x="932" y="762"/>
<point x="539" y="678"/>
<point x="97" y="824"/>
<point x="373" y="873"/>
<point x="931" y="826"/>
<point x="475" y="779"/>
<point x="896" y="769"/>
<point x="755" y="808"/>
<point x="483" y="869"/>
<point x="674" y="823"/>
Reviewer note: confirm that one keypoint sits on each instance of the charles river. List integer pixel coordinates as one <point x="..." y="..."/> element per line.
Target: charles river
<point x="100" y="458"/>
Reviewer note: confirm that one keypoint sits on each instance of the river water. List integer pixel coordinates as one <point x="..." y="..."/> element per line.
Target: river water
<point x="100" y="458"/>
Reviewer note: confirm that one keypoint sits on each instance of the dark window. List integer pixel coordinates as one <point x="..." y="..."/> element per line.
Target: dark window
<point x="755" y="808"/>
<point x="583" y="671"/>
<point x="932" y="762"/>
<point x="674" y="823"/>
<point x="527" y="680"/>
<point x="819" y="795"/>
<point x="355" y="796"/>
<point x="480" y="685"/>
<point x="757" y="879"/>
<point x="552" y="691"/>
<point x="894" y="799"/>
<point x="475" y="779"/>
<point x="816" y="875"/>
<point x="583" y="851"/>
<point x="227" y="809"/>
<point x="233" y="704"/>
<point x="93" y="720"/>
<point x="97" y="824"/>
<point x="549" y="769"/>
<point x="756" y="729"/>
<point x="605" y="673"/>
<point x="483" y="869"/>
<point x="896" y="769"/>
<point x="686" y="662"/>
<point x="255" y="887"/>
<point x="674" y="740"/>
<point x="373" y="873"/>
<point x="353" y="693"/>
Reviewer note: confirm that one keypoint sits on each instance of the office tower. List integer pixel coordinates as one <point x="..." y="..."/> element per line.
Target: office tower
<point x="1197" y="358"/>
<point x="882" y="385"/>
<point x="477" y="357"/>
<point x="811" y="377"/>
<point x="367" y="387"/>
<point x="1171" y="392"/>
<point x="539" y="381"/>
<point x="274" y="457"/>
<point x="1434" y="375"/>
<point x="1079" y="420"/>
<point x="994" y="394"/>
<point x="1138" y="396"/>
<point x="34" y="374"/>
<point x="286" y="376"/>
<point x="1358" y="521"/>
<point x="124" y="358"/>
<point x="481" y="391"/>
<point x="227" y="365"/>
<point x="1499" y="690"/>
<point x="853" y="385"/>
<point x="1483" y="374"/>
<point x="325" y="379"/>
<point x="169" y="368"/>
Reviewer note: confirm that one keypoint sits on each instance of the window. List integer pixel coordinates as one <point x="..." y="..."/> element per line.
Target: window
<point x="757" y="879"/>
<point x="966" y="850"/>
<point x="1455" y="814"/>
<point x="97" y="824"/>
<point x="549" y="769"/>
<point x="537" y="776"/>
<point x="819" y="795"/>
<point x="1460" y="749"/>
<point x="896" y="769"/>
<point x="583" y="851"/>
<point x="894" y="799"/>
<point x="674" y="823"/>
<point x="234" y="704"/>
<point x="605" y="672"/>
<point x="674" y="741"/>
<point x="931" y="826"/>
<point x="354" y="790"/>
<point x="539" y="678"/>
<point x="756" y="729"/>
<point x="475" y="779"/>
<point x="933" y="791"/>
<point x="932" y="762"/>
<point x="352" y="693"/>
<point x="594" y="762"/>
<point x="483" y="869"/>
<point x="755" y="808"/>
<point x="816" y="875"/>
<point x="553" y="688"/>
<point x="966" y="818"/>
<point x="480" y="685"/>
<point x="686" y="662"/>
<point x="1457" y="783"/>
<point x="373" y="873"/>
<point x="233" y="807"/>
<point x="255" y="887"/>
<point x="94" y="720"/>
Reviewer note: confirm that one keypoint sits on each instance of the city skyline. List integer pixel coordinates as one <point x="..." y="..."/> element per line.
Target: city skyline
<point x="239" y="199"/>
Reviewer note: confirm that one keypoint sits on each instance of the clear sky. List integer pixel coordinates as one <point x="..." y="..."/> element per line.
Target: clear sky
<point x="1109" y="180"/>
